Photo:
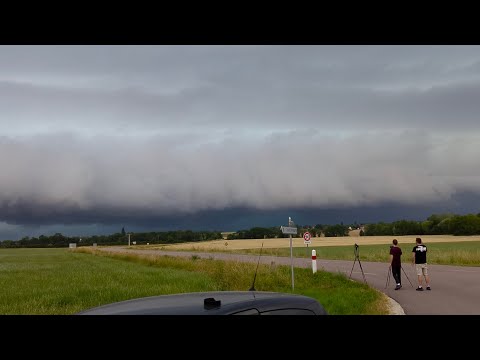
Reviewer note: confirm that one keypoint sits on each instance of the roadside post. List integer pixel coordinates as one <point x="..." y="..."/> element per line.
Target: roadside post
<point x="314" y="261"/>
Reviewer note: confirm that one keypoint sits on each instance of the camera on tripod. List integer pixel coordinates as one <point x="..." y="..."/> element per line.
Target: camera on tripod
<point x="356" y="251"/>
<point x="357" y="258"/>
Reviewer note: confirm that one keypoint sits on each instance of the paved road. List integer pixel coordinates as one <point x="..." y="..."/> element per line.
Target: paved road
<point x="455" y="289"/>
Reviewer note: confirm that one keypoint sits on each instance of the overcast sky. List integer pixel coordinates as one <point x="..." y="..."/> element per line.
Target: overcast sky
<point x="96" y="136"/>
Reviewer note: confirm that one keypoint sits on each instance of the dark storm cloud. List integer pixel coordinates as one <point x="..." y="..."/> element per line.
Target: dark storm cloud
<point x="103" y="179"/>
<point x="109" y="134"/>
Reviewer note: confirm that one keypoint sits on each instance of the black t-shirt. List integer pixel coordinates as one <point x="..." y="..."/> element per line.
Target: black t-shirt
<point x="420" y="251"/>
<point x="396" y="252"/>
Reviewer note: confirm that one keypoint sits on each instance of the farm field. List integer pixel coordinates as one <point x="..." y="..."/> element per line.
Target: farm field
<point x="315" y="242"/>
<point x="445" y="250"/>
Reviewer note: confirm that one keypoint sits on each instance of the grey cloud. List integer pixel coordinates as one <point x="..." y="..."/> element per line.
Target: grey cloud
<point x="143" y="88"/>
<point x="73" y="179"/>
<point x="442" y="108"/>
<point x="102" y="134"/>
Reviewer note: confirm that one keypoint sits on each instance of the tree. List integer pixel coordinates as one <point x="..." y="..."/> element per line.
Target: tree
<point x="465" y="225"/>
<point x="336" y="230"/>
<point x="438" y="218"/>
<point x="123" y="231"/>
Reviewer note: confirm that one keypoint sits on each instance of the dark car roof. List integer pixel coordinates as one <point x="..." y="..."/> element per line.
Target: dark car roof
<point x="214" y="303"/>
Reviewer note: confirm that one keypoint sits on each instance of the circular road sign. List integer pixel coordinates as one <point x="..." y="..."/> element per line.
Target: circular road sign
<point x="306" y="236"/>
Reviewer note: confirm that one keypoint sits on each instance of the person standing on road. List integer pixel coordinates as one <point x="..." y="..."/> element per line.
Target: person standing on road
<point x="419" y="258"/>
<point x="396" y="263"/>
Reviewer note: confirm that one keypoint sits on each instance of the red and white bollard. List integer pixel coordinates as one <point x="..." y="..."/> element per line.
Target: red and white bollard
<point x="314" y="261"/>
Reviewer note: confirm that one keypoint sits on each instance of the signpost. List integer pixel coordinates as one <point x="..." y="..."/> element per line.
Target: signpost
<point x="307" y="239"/>
<point x="290" y="229"/>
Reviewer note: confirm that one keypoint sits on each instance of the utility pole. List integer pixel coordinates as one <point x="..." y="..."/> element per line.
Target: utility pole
<point x="128" y="239"/>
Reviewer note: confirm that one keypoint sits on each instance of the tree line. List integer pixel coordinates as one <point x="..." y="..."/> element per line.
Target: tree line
<point x="436" y="224"/>
<point x="121" y="238"/>
<point x="276" y="232"/>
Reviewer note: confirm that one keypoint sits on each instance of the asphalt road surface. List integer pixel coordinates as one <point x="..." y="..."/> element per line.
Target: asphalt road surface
<point x="455" y="289"/>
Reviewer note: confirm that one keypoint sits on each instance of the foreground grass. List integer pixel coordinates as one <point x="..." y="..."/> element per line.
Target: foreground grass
<point x="465" y="253"/>
<point x="61" y="281"/>
<point x="58" y="281"/>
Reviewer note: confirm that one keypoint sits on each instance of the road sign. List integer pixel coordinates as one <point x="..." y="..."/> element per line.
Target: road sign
<point x="288" y="230"/>
<point x="307" y="238"/>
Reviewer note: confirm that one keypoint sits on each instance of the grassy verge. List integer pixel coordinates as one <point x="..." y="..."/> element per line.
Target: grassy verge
<point x="61" y="281"/>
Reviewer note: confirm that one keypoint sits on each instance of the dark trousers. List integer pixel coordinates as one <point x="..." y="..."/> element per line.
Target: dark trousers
<point x="396" y="274"/>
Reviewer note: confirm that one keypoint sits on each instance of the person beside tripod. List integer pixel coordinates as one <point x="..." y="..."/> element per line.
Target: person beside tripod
<point x="396" y="263"/>
<point x="419" y="258"/>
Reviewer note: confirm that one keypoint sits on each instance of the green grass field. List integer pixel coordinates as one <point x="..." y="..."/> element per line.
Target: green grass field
<point x="61" y="281"/>
<point x="465" y="253"/>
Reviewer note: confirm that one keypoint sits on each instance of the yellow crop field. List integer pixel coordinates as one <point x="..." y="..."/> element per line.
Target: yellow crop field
<point x="318" y="241"/>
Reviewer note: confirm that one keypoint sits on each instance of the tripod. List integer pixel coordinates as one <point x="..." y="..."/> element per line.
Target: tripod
<point x="357" y="258"/>
<point x="390" y="272"/>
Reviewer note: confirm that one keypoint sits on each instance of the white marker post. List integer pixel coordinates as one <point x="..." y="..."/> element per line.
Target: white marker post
<point x="314" y="261"/>
<point x="290" y="229"/>
<point x="291" y="263"/>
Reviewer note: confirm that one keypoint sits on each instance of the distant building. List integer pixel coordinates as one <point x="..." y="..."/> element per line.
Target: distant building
<point x="226" y="233"/>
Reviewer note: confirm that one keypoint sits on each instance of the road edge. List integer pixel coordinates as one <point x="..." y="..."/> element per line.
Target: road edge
<point x="394" y="307"/>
